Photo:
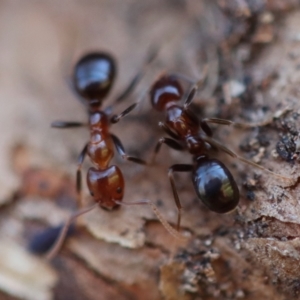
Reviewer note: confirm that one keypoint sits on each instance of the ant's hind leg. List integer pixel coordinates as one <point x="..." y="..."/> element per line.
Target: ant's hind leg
<point x="121" y="151"/>
<point x="172" y="169"/>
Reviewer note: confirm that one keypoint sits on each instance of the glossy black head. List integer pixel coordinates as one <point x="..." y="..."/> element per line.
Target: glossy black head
<point x="93" y="77"/>
<point x="165" y="91"/>
<point x="215" y="186"/>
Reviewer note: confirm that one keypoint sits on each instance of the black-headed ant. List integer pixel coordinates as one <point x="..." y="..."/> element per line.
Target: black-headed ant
<point x="93" y="77"/>
<point x="213" y="182"/>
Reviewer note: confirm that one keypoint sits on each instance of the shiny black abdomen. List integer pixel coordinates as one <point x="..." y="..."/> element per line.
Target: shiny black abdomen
<point x="215" y="185"/>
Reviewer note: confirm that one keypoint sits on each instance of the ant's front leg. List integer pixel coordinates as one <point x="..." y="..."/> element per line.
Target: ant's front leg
<point x="121" y="151"/>
<point x="172" y="143"/>
<point x="169" y="142"/>
<point x="81" y="158"/>
<point x="116" y="118"/>
<point x="63" y="124"/>
<point x="168" y="131"/>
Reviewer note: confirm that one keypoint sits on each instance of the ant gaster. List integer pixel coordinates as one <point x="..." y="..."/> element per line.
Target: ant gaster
<point x="93" y="77"/>
<point x="212" y="180"/>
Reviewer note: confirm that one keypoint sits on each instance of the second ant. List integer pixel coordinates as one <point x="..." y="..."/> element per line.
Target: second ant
<point x="212" y="180"/>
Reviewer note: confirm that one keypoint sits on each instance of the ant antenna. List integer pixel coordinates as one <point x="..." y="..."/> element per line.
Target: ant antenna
<point x="190" y="97"/>
<point x="244" y="160"/>
<point x="63" y="233"/>
<point x="159" y="216"/>
<point x="266" y="122"/>
<point x="58" y="244"/>
<point x="153" y="53"/>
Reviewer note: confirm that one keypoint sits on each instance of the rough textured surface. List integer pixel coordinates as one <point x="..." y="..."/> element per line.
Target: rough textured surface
<point x="252" y="49"/>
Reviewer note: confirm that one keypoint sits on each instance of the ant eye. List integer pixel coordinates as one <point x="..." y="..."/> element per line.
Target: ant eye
<point x="119" y="190"/>
<point x="91" y="193"/>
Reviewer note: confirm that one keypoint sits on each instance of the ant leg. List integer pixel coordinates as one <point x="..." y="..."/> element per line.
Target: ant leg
<point x="183" y="77"/>
<point x="168" y="131"/>
<point x="169" y="142"/>
<point x="206" y="128"/>
<point x="159" y="216"/>
<point x="63" y="124"/>
<point x="137" y="78"/>
<point x="172" y="169"/>
<point x="190" y="97"/>
<point x="57" y="245"/>
<point x="78" y="174"/>
<point x="218" y="145"/>
<point x="121" y="151"/>
<point x="172" y="143"/>
<point x="116" y="118"/>
<point x="247" y="125"/>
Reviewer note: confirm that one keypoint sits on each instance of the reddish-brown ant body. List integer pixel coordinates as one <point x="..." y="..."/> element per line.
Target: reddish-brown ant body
<point x="212" y="180"/>
<point x="93" y="77"/>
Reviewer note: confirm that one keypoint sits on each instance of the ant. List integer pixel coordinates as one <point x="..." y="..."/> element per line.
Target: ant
<point x="212" y="180"/>
<point x="93" y="78"/>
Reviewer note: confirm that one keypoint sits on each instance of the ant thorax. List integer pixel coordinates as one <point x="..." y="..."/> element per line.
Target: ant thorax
<point x="100" y="147"/>
<point x="184" y="123"/>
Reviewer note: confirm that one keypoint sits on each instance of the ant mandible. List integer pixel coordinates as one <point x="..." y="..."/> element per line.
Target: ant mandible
<point x="212" y="180"/>
<point x="94" y="75"/>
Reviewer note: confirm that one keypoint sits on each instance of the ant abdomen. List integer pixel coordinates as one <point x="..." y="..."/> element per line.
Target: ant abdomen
<point x="106" y="186"/>
<point x="93" y="76"/>
<point x="215" y="185"/>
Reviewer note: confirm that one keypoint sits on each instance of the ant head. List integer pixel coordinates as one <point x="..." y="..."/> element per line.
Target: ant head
<point x="165" y="90"/>
<point x="93" y="77"/>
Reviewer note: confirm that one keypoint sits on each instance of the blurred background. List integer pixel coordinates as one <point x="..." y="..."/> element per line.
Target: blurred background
<point x="128" y="254"/>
